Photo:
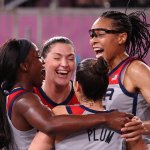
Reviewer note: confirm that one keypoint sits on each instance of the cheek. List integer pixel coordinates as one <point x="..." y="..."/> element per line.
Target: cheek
<point x="72" y="65"/>
<point x="90" y="42"/>
<point x="50" y="65"/>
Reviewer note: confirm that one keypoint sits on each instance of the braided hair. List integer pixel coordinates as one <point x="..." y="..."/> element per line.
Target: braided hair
<point x="137" y="29"/>
<point x="12" y="53"/>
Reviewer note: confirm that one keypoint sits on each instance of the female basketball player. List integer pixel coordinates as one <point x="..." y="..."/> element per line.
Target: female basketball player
<point x="124" y="40"/>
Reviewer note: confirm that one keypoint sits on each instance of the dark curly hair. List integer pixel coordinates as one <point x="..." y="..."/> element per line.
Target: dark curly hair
<point x="137" y="29"/>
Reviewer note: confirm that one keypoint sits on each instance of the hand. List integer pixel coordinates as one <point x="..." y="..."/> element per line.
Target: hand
<point x="133" y="130"/>
<point x="116" y="120"/>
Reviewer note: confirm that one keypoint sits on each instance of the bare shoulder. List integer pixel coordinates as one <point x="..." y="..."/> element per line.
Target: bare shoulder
<point x="138" y="69"/>
<point x="28" y="98"/>
<point x="138" y="74"/>
<point x="59" y="110"/>
<point x="27" y="101"/>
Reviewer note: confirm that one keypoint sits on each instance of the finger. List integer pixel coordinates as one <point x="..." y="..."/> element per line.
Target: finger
<point x="132" y="134"/>
<point x="127" y="119"/>
<point x="133" y="123"/>
<point x="133" y="139"/>
<point x="132" y="128"/>
<point x="130" y="116"/>
<point x="136" y="118"/>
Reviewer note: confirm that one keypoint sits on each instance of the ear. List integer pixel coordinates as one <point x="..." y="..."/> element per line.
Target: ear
<point x="24" y="66"/>
<point x="122" y="38"/>
<point x="77" y="86"/>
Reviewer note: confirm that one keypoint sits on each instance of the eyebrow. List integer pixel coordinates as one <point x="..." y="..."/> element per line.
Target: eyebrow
<point x="71" y="54"/>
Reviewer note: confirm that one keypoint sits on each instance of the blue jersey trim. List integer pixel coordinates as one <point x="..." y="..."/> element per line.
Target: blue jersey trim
<point x="68" y="109"/>
<point x="15" y="89"/>
<point x="113" y="70"/>
<point x="133" y="95"/>
<point x="51" y="102"/>
<point x="13" y="99"/>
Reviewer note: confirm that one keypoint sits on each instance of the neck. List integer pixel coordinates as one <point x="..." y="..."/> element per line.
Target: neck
<point x="56" y="92"/>
<point x="95" y="105"/>
<point x="26" y="86"/>
<point x="114" y="62"/>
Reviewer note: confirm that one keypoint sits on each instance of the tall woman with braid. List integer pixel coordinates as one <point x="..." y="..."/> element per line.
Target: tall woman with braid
<point x="124" y="40"/>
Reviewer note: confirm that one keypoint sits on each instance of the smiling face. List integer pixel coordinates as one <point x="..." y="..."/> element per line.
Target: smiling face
<point x="60" y="64"/>
<point x="107" y="43"/>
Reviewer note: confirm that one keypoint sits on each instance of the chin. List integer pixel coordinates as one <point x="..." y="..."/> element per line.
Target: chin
<point x="99" y="55"/>
<point x="63" y="83"/>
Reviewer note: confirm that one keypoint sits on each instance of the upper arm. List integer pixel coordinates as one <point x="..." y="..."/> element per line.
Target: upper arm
<point x="33" y="111"/>
<point x="42" y="142"/>
<point x="139" y="75"/>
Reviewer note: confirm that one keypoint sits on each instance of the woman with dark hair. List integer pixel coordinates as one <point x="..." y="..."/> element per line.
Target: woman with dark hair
<point x="90" y="84"/>
<point x="124" y="40"/>
<point x="21" y="69"/>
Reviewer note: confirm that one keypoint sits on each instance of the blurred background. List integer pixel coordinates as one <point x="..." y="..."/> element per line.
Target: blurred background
<point x="39" y="20"/>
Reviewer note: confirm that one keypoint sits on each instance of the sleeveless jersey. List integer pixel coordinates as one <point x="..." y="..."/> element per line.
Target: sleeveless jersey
<point x="117" y="97"/>
<point x="102" y="138"/>
<point x="70" y="100"/>
<point x="20" y="139"/>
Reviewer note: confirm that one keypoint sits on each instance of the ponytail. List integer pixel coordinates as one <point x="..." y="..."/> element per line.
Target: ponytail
<point x="5" y="133"/>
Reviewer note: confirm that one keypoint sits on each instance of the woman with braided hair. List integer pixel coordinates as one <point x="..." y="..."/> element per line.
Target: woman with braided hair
<point x="124" y="40"/>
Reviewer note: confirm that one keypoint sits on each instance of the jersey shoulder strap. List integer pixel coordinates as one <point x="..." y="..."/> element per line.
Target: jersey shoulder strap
<point x="12" y="96"/>
<point x="75" y="109"/>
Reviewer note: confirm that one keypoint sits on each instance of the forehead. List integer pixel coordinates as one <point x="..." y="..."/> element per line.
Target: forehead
<point x="62" y="48"/>
<point x="34" y="51"/>
<point x="105" y="23"/>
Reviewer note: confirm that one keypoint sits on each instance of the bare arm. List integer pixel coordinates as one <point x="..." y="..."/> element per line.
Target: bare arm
<point x="137" y="145"/>
<point x="42" y="142"/>
<point x="137" y="78"/>
<point x="134" y="130"/>
<point x="39" y="116"/>
<point x="138" y="75"/>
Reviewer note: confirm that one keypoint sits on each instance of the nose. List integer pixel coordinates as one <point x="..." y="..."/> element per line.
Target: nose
<point x="42" y="60"/>
<point x="64" y="62"/>
<point x="93" y="41"/>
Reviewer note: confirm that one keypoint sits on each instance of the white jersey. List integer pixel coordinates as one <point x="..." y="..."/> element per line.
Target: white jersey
<point x="20" y="139"/>
<point x="101" y="137"/>
<point x="117" y="97"/>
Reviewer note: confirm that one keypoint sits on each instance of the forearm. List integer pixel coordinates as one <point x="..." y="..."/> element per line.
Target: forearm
<point x="137" y="145"/>
<point x="42" y="142"/>
<point x="55" y="125"/>
<point x="73" y="123"/>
